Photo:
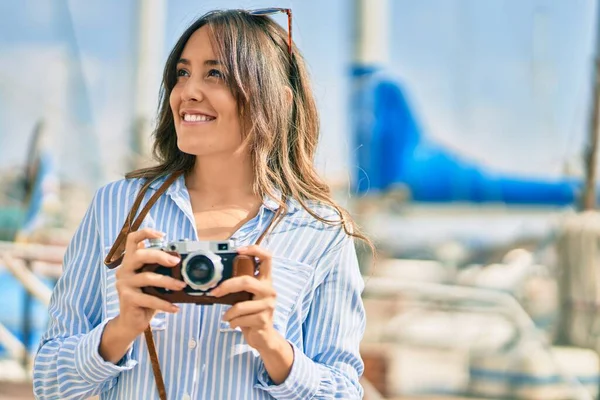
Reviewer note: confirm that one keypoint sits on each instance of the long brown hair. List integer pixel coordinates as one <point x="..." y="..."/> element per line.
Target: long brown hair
<point x="257" y="68"/>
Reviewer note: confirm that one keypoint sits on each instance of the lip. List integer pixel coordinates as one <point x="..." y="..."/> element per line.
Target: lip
<point x="184" y="122"/>
<point x="184" y="111"/>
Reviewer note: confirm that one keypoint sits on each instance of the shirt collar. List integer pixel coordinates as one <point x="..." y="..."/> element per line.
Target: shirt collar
<point x="270" y="202"/>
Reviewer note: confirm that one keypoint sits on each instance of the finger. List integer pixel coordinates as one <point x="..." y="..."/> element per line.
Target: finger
<point x="262" y="254"/>
<point x="154" y="256"/>
<point x="143" y="300"/>
<point x="248" y="308"/>
<point x="245" y="283"/>
<point x="134" y="238"/>
<point x="144" y="279"/>
<point x="256" y="321"/>
<point x="264" y="258"/>
<point x="142" y="257"/>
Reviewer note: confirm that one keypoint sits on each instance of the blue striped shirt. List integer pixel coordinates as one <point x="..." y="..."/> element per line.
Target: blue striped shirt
<point x="319" y="311"/>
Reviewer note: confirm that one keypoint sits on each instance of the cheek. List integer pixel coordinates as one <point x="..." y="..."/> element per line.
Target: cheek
<point x="230" y="108"/>
<point x="174" y="100"/>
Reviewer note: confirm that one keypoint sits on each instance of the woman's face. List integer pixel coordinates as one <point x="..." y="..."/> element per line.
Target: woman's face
<point x="205" y="112"/>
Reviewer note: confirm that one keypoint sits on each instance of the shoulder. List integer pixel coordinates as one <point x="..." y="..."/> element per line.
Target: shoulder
<point x="322" y="225"/>
<point x="313" y="213"/>
<point x="120" y="186"/>
<point x="112" y="202"/>
<point x="119" y="192"/>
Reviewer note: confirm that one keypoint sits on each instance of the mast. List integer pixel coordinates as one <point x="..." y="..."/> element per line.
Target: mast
<point x="150" y="41"/>
<point x="371" y="28"/>
<point x="591" y="151"/>
<point x="370" y="54"/>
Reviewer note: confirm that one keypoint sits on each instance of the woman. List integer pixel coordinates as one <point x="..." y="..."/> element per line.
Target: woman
<point x="238" y="118"/>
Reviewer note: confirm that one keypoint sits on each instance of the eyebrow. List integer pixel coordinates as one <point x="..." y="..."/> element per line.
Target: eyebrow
<point x="185" y="61"/>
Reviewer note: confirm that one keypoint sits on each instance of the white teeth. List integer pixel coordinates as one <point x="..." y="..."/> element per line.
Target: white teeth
<point x="196" y="118"/>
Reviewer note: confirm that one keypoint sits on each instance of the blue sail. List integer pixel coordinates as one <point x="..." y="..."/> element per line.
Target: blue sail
<point x="394" y="153"/>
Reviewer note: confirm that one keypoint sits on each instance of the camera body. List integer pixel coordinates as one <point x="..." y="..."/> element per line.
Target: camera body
<point x="204" y="265"/>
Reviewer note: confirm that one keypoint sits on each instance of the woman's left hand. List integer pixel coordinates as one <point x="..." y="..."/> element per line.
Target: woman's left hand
<point x="254" y="317"/>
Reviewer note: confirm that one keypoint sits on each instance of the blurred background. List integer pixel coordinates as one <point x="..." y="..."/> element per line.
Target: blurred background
<point x="461" y="134"/>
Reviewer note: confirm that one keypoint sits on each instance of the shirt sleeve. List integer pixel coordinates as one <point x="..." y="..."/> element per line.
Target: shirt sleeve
<point x="68" y="363"/>
<point x="330" y="365"/>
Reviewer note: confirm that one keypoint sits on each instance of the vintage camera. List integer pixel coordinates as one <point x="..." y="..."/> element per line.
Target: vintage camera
<point x="204" y="265"/>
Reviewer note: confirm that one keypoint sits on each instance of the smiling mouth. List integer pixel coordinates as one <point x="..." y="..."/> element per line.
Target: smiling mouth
<point x="197" y="118"/>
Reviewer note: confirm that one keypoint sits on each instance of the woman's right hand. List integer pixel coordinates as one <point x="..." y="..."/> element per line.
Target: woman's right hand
<point x="136" y="308"/>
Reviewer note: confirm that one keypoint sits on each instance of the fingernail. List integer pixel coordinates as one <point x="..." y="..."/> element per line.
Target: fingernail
<point x="181" y="284"/>
<point x="174" y="259"/>
<point x="175" y="308"/>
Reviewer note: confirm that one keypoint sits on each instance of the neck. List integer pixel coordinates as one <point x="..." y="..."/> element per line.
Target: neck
<point x="222" y="179"/>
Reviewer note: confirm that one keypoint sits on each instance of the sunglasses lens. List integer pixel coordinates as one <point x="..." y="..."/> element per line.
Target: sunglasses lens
<point x="269" y="11"/>
<point x="266" y="11"/>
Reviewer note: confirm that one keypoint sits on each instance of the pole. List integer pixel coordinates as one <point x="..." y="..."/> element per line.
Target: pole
<point x="591" y="151"/>
<point x="371" y="33"/>
<point x="151" y="31"/>
<point x="370" y="54"/>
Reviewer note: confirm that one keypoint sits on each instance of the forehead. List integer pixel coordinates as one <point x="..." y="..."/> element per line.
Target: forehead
<point x="199" y="46"/>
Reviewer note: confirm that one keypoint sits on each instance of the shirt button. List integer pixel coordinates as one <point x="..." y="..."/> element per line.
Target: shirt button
<point x="192" y="344"/>
<point x="186" y="397"/>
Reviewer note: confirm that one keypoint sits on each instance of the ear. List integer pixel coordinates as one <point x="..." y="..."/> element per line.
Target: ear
<point x="289" y="95"/>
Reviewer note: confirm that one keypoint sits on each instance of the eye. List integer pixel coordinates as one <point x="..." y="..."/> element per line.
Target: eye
<point x="182" y="72"/>
<point x="215" y="73"/>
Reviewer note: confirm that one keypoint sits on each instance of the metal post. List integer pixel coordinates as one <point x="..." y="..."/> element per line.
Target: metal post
<point x="371" y="32"/>
<point x="370" y="54"/>
<point x="591" y="151"/>
<point x="151" y="31"/>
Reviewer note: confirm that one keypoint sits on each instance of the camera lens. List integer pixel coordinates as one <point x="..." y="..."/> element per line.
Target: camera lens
<point x="200" y="270"/>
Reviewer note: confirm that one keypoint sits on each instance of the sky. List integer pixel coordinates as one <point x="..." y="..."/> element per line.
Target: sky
<point x="503" y="82"/>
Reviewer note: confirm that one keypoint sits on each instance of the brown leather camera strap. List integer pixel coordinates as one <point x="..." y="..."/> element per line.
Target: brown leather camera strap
<point x="274" y="221"/>
<point x="119" y="246"/>
<point x="115" y="255"/>
<point x="158" y="378"/>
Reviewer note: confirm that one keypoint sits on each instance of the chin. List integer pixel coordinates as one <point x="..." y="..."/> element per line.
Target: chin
<point x="206" y="145"/>
<point x="193" y="150"/>
<point x="197" y="147"/>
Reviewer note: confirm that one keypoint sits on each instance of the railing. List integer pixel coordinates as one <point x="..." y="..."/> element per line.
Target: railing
<point x="20" y="260"/>
<point x="494" y="301"/>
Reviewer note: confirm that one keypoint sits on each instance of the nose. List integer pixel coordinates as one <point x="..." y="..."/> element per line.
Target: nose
<point x="192" y="91"/>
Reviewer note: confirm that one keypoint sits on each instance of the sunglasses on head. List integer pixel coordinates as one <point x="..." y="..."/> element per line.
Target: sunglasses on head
<point x="270" y="11"/>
